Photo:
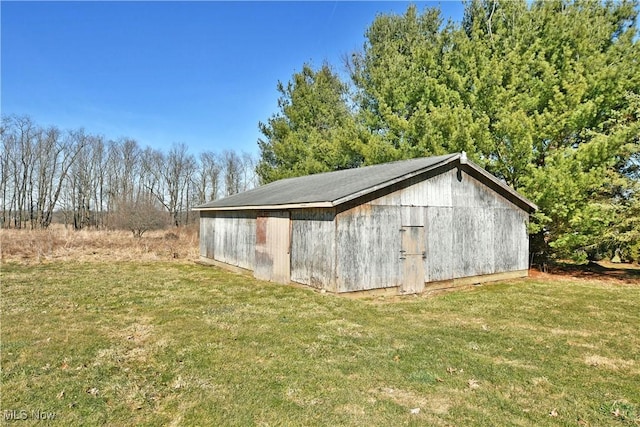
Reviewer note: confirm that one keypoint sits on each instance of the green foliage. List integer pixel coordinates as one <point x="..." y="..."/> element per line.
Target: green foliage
<point x="313" y="131"/>
<point x="412" y="94"/>
<point x="544" y="94"/>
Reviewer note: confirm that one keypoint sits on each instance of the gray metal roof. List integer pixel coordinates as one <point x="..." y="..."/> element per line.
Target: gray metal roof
<point x="334" y="188"/>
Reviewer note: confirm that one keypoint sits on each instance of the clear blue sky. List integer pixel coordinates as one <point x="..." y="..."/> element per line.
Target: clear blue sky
<point x="199" y="73"/>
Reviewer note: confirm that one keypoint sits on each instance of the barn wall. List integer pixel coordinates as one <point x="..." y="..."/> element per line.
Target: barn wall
<point x="511" y="239"/>
<point x="435" y="191"/>
<point x="229" y="237"/>
<point x="439" y="232"/>
<point x="470" y="230"/>
<point x="206" y="235"/>
<point x="313" y="245"/>
<point x="490" y="231"/>
<point x="367" y="248"/>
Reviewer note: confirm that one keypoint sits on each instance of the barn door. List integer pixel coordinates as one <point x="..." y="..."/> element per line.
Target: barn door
<point x="273" y="242"/>
<point x="412" y="256"/>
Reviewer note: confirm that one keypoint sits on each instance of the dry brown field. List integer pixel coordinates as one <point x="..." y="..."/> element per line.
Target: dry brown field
<point x="65" y="244"/>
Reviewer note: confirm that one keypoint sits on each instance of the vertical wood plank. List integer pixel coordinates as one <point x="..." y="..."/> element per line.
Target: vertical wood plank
<point x="367" y="246"/>
<point x="313" y="248"/>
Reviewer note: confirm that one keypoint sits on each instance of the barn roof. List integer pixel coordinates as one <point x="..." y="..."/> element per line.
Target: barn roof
<point x="331" y="189"/>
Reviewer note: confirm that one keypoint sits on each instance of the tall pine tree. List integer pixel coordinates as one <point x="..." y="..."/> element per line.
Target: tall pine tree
<point x="314" y="130"/>
<point x="543" y="94"/>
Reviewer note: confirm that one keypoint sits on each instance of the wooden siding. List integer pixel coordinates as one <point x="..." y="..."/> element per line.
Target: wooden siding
<point x="206" y="236"/>
<point x="439" y="262"/>
<point x="481" y="233"/>
<point x="469" y="230"/>
<point x="435" y="191"/>
<point x="229" y="237"/>
<point x="272" y="246"/>
<point x="368" y="248"/>
<point x="313" y="248"/>
<point x="472" y="251"/>
<point x="511" y="237"/>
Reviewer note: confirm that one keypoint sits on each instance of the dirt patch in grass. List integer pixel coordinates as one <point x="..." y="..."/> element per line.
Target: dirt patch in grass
<point x="138" y="332"/>
<point x="412" y="401"/>
<point x="600" y="271"/>
<point x="500" y="360"/>
<point x="608" y="363"/>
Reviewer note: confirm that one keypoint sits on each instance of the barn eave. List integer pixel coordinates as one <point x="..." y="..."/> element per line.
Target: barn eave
<point x="268" y="207"/>
<point x="459" y="158"/>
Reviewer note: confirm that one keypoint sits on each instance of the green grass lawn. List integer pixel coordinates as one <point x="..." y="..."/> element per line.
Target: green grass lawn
<point x="179" y="344"/>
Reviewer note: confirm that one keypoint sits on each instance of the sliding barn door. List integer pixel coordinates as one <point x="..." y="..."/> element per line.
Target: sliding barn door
<point x="273" y="244"/>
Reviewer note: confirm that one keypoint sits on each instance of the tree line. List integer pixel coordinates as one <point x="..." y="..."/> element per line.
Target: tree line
<point x="86" y="180"/>
<point x="543" y="94"/>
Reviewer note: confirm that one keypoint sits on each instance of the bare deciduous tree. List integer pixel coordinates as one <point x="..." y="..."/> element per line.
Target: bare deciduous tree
<point x="207" y="177"/>
<point x="92" y="181"/>
<point x="139" y="215"/>
<point x="232" y="164"/>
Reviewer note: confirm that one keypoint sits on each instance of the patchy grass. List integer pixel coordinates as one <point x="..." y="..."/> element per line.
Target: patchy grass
<point x="169" y="343"/>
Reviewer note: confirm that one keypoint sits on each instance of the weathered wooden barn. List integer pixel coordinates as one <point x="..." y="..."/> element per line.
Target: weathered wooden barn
<point x="402" y="227"/>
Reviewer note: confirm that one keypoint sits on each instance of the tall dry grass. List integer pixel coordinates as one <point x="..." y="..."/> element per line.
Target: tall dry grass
<point x="58" y="243"/>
